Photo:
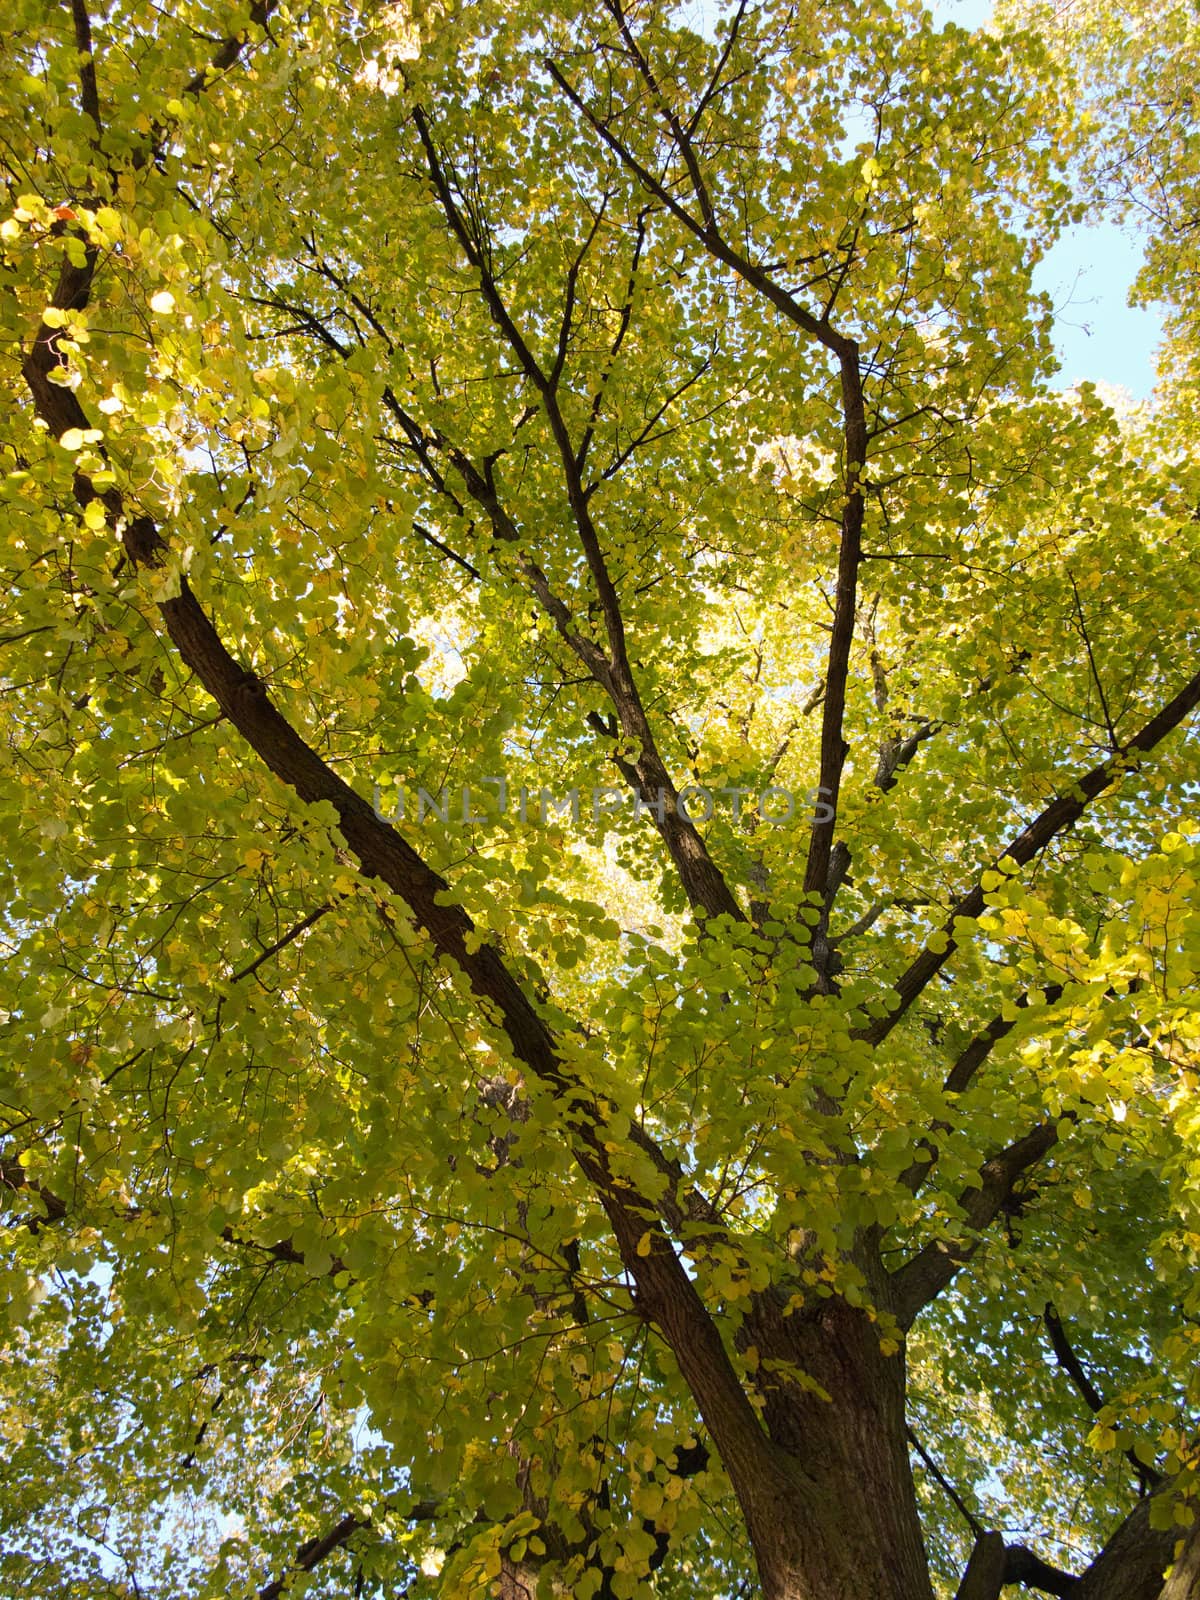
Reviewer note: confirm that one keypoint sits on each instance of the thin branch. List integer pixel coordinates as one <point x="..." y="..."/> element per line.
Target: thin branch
<point x="939" y="1477"/>
<point x="431" y="539"/>
<point x="833" y="749"/>
<point x="647" y="773"/>
<point x="756" y="276"/>
<point x="281" y="944"/>
<point x="959" y="1079"/>
<point x="623" y="322"/>
<point x="679" y="134"/>
<point x="1095" y="671"/>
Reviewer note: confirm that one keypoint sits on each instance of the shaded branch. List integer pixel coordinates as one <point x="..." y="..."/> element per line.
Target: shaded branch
<point x="1064" y="1355"/>
<point x="924" y="1277"/>
<point x="959" y="1079"/>
<point x="1066" y="1358"/>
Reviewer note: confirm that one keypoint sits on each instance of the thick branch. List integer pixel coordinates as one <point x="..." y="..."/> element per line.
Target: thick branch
<point x="834" y="748"/>
<point x="89" y="95"/>
<point x="665" y="1293"/>
<point x="1066" y="1358"/>
<point x="920" y="1280"/>
<point x="1021" y="1565"/>
<point x="1064" y="1355"/>
<point x="230" y="50"/>
<point x="1132" y="1563"/>
<point x="311" y="1554"/>
<point x="984" y="1576"/>
<point x="1184" y="1582"/>
<point x="994" y="1565"/>
<point x="895" y="754"/>
<point x="961" y="1074"/>
<point x="959" y="1080"/>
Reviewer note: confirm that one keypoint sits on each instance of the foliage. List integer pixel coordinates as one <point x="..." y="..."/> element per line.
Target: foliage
<point x="443" y="1197"/>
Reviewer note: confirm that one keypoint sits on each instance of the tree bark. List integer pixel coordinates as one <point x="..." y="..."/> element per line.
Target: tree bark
<point x="984" y="1577"/>
<point x="1184" y="1582"/>
<point x="1132" y="1563"/>
<point x="836" y="1518"/>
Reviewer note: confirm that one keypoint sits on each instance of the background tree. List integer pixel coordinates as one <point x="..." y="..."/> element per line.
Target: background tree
<point x="595" y="398"/>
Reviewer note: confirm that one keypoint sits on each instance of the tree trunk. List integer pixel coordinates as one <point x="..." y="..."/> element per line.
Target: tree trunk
<point x="1184" y="1582"/>
<point x="834" y="1513"/>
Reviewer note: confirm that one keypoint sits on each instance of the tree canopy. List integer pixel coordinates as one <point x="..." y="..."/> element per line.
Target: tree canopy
<point x="601" y="935"/>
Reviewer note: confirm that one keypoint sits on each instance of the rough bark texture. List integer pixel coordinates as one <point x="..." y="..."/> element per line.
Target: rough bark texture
<point x="984" y="1576"/>
<point x="1132" y="1563"/>
<point x="1184" y="1582"/>
<point x="842" y="1524"/>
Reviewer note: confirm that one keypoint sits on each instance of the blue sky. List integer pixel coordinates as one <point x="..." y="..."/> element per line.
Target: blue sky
<point x="1097" y="334"/>
<point x="1087" y="275"/>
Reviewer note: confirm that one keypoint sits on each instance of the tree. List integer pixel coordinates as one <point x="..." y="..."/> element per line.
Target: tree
<point x="602" y="944"/>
